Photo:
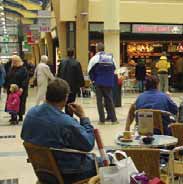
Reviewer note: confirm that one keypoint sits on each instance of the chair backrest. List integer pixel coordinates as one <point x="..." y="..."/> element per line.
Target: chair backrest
<point x="145" y="159"/>
<point x="43" y="162"/>
<point x="177" y="131"/>
<point x="152" y="119"/>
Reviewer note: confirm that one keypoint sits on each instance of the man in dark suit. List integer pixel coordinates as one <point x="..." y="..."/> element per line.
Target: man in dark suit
<point x="71" y="71"/>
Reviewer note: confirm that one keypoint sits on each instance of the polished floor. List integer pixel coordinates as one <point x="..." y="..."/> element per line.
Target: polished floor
<point x="13" y="166"/>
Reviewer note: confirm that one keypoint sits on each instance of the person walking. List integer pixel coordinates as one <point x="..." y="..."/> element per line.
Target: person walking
<point x="18" y="75"/>
<point x="42" y="75"/>
<point x="70" y="70"/>
<point x="101" y="71"/>
<point x="162" y="66"/>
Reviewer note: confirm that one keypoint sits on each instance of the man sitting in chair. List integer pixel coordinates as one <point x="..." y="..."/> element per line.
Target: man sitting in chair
<point x="47" y="125"/>
<point x="152" y="98"/>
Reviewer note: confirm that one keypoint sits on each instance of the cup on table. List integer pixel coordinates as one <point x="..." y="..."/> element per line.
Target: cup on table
<point x="127" y="135"/>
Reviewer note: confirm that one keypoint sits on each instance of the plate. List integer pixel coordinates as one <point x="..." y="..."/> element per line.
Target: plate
<point x="122" y="139"/>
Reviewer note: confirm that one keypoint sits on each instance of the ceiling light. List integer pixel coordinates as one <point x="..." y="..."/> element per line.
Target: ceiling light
<point x="3" y="23"/>
<point x="1" y="8"/>
<point x="2" y="13"/>
<point x="2" y="19"/>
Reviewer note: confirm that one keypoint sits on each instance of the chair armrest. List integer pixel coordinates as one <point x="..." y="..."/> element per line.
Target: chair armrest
<point x="66" y="150"/>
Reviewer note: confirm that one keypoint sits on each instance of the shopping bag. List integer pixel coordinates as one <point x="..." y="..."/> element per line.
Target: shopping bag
<point x="120" y="173"/>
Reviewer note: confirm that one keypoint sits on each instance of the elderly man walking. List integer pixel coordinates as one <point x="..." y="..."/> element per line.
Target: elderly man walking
<point x="42" y="75"/>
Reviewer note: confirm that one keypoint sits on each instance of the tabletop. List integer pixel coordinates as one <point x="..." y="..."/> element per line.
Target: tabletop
<point x="159" y="141"/>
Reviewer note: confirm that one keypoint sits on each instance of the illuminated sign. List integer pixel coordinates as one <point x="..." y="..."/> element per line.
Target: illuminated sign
<point x="157" y="29"/>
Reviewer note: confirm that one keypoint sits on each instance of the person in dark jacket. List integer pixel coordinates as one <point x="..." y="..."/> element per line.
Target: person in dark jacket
<point x="59" y="130"/>
<point x="71" y="71"/>
<point x="18" y="75"/>
<point x="140" y="74"/>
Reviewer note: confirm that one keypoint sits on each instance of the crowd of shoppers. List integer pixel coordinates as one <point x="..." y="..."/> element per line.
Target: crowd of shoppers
<point x="59" y="129"/>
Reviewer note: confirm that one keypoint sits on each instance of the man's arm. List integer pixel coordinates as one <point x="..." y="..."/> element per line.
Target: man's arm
<point x="130" y="117"/>
<point x="81" y="136"/>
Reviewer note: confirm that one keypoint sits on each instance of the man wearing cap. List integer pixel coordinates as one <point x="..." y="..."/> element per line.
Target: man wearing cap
<point x="162" y="66"/>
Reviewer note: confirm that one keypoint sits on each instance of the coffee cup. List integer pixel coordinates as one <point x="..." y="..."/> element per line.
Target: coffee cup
<point x="127" y="135"/>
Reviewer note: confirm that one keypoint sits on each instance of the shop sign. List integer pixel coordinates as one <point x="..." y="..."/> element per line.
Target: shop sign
<point x="44" y="20"/>
<point x="157" y="29"/>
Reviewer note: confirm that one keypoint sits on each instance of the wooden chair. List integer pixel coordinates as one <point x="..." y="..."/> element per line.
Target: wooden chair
<point x="177" y="131"/>
<point x="175" y="165"/>
<point x="156" y="118"/>
<point x="44" y="163"/>
<point x="145" y="159"/>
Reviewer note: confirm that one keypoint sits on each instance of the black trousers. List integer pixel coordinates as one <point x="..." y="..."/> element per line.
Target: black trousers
<point x="71" y="99"/>
<point x="104" y="94"/>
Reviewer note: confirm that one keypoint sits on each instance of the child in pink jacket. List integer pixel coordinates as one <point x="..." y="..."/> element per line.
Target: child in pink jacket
<point x="13" y="103"/>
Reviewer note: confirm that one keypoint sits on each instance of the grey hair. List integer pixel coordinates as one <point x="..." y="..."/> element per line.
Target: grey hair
<point x="44" y="59"/>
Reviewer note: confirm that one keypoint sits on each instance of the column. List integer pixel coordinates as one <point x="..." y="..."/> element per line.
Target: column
<point x="112" y="28"/>
<point x="61" y="28"/>
<point x="42" y="46"/>
<point x="36" y="53"/>
<point x="62" y="36"/>
<point x="50" y="47"/>
<point x="82" y="33"/>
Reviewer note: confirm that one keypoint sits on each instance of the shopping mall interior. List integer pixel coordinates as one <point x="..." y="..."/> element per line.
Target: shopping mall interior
<point x="132" y="31"/>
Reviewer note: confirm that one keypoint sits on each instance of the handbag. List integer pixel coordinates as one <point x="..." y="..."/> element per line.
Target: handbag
<point x="120" y="173"/>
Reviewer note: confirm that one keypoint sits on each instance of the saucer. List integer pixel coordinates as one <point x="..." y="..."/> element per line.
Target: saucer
<point x="122" y="139"/>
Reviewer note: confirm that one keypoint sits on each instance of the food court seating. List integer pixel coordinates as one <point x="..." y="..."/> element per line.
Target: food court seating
<point x="177" y="131"/>
<point x="145" y="159"/>
<point x="152" y="116"/>
<point x="44" y="163"/>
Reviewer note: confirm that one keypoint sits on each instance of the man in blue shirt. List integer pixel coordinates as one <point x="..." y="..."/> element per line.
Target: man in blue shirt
<point x="46" y="125"/>
<point x="152" y="98"/>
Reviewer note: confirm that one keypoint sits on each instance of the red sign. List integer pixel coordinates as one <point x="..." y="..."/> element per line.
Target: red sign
<point x="157" y="29"/>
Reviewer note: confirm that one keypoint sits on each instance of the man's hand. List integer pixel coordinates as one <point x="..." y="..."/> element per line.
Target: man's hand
<point x="77" y="110"/>
<point x="21" y="90"/>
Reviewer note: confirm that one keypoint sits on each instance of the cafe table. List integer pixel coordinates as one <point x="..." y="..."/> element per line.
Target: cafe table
<point x="158" y="142"/>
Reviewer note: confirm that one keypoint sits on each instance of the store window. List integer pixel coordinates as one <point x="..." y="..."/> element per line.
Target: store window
<point x="71" y="35"/>
<point x="96" y="34"/>
<point x="125" y="28"/>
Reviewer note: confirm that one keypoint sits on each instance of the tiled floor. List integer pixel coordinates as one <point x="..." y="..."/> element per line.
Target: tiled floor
<point x="12" y="154"/>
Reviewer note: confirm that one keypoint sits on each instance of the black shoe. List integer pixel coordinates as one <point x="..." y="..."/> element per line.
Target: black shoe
<point x="10" y="120"/>
<point x="108" y="119"/>
<point x="20" y="118"/>
<point x="14" y="122"/>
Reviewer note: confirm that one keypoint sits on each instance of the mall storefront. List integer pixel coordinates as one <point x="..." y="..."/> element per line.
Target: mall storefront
<point x="146" y="41"/>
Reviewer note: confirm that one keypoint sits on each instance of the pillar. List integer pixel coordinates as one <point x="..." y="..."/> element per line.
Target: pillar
<point x="62" y="36"/>
<point x="42" y="46"/>
<point x="61" y="28"/>
<point x="50" y="47"/>
<point x="82" y="33"/>
<point x="36" y="54"/>
<point x="112" y="28"/>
